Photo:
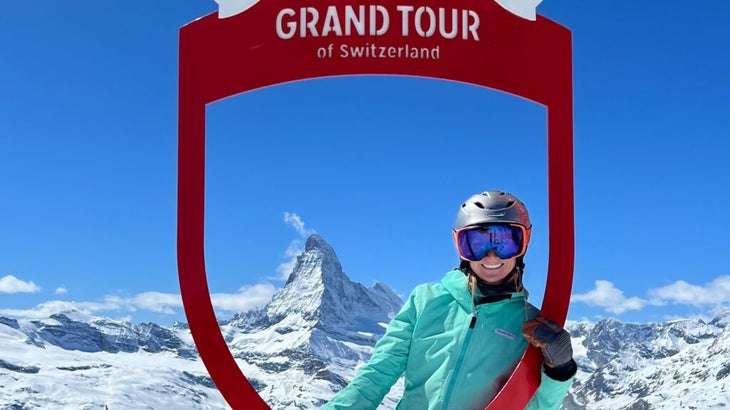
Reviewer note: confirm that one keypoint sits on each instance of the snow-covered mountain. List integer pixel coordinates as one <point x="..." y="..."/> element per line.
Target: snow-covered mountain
<point x="297" y="351"/>
<point x="72" y="361"/>
<point x="313" y="334"/>
<point x="682" y="364"/>
<point x="308" y="341"/>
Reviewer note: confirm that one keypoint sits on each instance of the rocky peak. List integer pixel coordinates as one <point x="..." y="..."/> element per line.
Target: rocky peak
<point x="321" y="293"/>
<point x="73" y="330"/>
<point x="316" y="242"/>
<point x="722" y="320"/>
<point x="317" y="261"/>
<point x="641" y="366"/>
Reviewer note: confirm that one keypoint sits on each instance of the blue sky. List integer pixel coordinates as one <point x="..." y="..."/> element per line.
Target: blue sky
<point x="376" y="165"/>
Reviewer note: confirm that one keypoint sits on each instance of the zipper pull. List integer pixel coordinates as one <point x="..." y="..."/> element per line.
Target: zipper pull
<point x="473" y="319"/>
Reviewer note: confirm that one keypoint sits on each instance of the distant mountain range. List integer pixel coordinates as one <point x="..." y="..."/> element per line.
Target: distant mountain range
<point x="305" y="344"/>
<point x="681" y="364"/>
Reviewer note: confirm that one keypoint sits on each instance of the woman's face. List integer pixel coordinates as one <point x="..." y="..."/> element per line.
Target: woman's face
<point x="491" y="269"/>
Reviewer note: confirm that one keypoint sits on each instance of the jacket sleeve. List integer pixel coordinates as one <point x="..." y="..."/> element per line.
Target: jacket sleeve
<point x="551" y="392"/>
<point x="388" y="362"/>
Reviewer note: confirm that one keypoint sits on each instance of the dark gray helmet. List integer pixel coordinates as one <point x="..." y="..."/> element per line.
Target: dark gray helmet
<point x="492" y="207"/>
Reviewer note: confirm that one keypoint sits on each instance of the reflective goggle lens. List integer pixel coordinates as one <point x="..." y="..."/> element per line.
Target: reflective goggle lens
<point x="474" y="242"/>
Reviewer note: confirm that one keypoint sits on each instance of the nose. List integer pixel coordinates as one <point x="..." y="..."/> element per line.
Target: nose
<point x="491" y="254"/>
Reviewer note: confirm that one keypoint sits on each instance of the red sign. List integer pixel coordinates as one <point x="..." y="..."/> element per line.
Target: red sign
<point x="277" y="41"/>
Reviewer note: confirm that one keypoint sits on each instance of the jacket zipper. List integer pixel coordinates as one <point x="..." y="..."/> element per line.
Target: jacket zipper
<point x="460" y="360"/>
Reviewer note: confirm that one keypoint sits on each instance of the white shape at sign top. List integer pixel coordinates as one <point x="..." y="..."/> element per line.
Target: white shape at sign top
<point x="527" y="9"/>
<point x="229" y="8"/>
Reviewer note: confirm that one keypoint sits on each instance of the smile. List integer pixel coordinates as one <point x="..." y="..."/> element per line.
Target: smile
<point x="497" y="266"/>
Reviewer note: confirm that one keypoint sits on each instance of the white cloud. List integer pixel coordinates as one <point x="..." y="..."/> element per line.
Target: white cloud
<point x="712" y="296"/>
<point x="11" y="284"/>
<point x="157" y="302"/>
<point x="61" y="291"/>
<point x="610" y="298"/>
<point x="296" y="247"/>
<point x="296" y="222"/>
<point x="714" y="293"/>
<point x="49" y="308"/>
<point x="247" y="298"/>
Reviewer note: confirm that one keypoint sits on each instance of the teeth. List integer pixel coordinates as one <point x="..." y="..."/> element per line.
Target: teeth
<point x="492" y="266"/>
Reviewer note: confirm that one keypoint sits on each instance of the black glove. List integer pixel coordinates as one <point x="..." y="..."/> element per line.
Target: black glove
<point x="552" y="340"/>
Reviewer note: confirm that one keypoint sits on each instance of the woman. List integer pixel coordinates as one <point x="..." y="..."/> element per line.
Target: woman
<point x="459" y="340"/>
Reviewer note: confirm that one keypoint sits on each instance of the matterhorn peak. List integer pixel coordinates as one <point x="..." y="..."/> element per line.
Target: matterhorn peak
<point x="320" y="293"/>
<point x="317" y="261"/>
<point x="315" y="241"/>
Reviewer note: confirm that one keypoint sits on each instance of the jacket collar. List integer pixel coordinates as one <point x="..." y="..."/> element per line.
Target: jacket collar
<point x="456" y="284"/>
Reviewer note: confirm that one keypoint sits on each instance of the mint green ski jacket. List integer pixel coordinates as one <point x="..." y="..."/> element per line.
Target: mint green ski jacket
<point x="455" y="355"/>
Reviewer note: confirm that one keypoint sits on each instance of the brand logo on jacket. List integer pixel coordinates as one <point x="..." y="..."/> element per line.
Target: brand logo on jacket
<point x="504" y="333"/>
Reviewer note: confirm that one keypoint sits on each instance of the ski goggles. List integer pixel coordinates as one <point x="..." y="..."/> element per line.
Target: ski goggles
<point x="507" y="241"/>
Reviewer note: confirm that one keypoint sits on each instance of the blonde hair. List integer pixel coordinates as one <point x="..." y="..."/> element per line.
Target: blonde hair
<point x="472" y="279"/>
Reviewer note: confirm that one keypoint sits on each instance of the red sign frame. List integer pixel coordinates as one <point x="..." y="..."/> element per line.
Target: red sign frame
<point x="277" y="41"/>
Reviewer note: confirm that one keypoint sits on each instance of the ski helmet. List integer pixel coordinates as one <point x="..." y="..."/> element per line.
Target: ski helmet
<point x="493" y="207"/>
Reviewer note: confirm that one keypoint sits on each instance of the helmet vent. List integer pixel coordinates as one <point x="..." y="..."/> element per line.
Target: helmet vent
<point x="479" y="205"/>
<point x="509" y="204"/>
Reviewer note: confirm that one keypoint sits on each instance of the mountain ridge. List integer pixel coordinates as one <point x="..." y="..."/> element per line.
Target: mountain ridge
<point x="309" y="340"/>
